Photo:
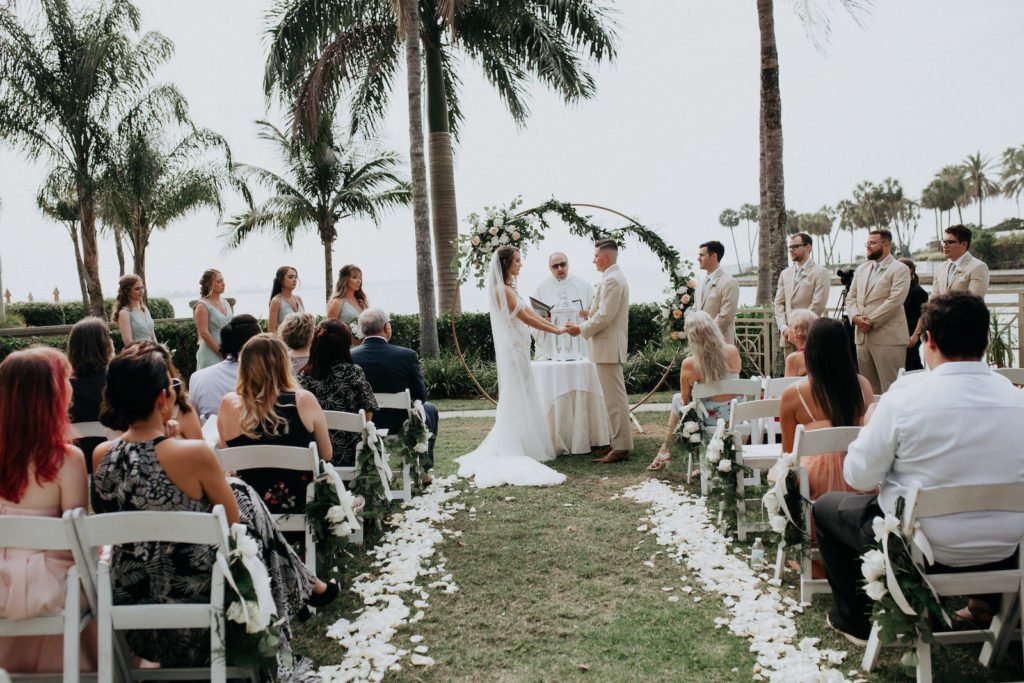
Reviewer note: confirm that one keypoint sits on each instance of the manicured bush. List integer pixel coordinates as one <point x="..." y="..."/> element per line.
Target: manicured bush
<point x="446" y="378"/>
<point x="39" y="313"/>
<point x="182" y="339"/>
<point x="161" y="308"/>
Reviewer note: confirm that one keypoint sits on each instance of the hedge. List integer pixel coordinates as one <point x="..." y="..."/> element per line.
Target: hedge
<point x="41" y="313"/>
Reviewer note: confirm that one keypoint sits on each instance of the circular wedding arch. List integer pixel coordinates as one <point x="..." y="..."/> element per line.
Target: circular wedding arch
<point x="581" y="227"/>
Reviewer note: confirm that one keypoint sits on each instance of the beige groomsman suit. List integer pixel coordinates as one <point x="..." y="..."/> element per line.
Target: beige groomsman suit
<point x="881" y="351"/>
<point x="970" y="274"/>
<point x="718" y="295"/>
<point x="806" y="288"/>
<point x="606" y="328"/>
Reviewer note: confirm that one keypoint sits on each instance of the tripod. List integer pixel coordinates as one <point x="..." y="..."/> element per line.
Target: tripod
<point x="841" y="316"/>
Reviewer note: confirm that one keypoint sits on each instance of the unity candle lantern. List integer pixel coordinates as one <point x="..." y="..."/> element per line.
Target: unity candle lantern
<point x="567" y="347"/>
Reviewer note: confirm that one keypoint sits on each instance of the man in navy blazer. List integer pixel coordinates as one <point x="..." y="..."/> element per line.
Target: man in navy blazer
<point x="391" y="370"/>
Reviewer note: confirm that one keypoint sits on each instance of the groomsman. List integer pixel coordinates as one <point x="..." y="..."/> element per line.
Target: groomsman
<point x="719" y="294"/>
<point x="961" y="272"/>
<point x="875" y="305"/>
<point x="802" y="285"/>
<point x="607" y="327"/>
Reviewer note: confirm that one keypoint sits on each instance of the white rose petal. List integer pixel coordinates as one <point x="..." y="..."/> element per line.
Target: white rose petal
<point x="876" y="590"/>
<point x="725" y="466"/>
<point x="873" y="565"/>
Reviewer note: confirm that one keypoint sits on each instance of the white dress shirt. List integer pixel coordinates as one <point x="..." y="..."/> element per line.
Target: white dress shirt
<point x="550" y="291"/>
<point x="958" y="425"/>
<point x="208" y="386"/>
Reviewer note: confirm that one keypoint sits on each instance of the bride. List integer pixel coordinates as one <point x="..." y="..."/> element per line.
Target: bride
<point x="513" y="450"/>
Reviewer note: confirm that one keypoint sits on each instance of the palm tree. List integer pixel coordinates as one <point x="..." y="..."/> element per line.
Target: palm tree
<point x="1012" y="174"/>
<point x="323" y="183"/>
<point x="954" y="178"/>
<point x="158" y="169"/>
<point x="57" y="199"/>
<point x="940" y="196"/>
<point x="61" y="87"/>
<point x="978" y="185"/>
<point x="750" y="213"/>
<point x="319" y="49"/>
<point x="730" y="219"/>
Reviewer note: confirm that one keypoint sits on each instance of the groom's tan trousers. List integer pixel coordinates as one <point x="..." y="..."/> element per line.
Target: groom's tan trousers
<point x="614" y="388"/>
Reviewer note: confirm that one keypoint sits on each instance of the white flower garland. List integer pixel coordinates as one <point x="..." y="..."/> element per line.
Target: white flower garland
<point x="256" y="615"/>
<point x="787" y="469"/>
<point x="399" y="562"/>
<point x="765" y="617"/>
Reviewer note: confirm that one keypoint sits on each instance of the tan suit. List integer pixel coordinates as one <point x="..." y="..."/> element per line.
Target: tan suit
<point x="810" y="292"/>
<point x="882" y="351"/>
<point x="606" y="328"/>
<point x="718" y="295"/>
<point x="970" y="276"/>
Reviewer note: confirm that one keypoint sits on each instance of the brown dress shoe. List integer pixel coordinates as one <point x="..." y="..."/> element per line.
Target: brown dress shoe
<point x="600" y="452"/>
<point x="614" y="456"/>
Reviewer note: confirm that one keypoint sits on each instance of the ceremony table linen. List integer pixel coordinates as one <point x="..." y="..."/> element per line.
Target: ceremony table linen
<point x="571" y="397"/>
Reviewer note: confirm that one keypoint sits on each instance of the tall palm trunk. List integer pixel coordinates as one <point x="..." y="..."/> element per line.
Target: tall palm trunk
<point x="73" y="231"/>
<point x="421" y="216"/>
<point x="119" y="246"/>
<point x="140" y="240"/>
<point x="327" y="236"/>
<point x="772" y="229"/>
<point x="90" y="252"/>
<point x="442" y="178"/>
<point x="732" y="231"/>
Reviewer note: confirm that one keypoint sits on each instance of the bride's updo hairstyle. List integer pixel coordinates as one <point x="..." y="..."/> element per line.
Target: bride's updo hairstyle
<point x="506" y="255"/>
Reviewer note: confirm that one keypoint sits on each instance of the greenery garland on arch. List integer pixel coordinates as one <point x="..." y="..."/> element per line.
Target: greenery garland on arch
<point x="499" y="226"/>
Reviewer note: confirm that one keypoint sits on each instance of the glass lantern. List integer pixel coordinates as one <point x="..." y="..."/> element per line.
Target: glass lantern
<point x="567" y="347"/>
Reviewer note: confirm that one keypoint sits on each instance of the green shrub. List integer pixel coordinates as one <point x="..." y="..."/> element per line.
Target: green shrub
<point x="644" y="368"/>
<point x="644" y="326"/>
<point x="10" y="344"/>
<point x="39" y="313"/>
<point x="446" y="378"/>
<point x="182" y="339"/>
<point x="12" y="320"/>
<point x="161" y="308"/>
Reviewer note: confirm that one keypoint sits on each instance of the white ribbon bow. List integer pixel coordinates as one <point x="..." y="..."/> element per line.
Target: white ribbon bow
<point x="255" y="617"/>
<point x="883" y="529"/>
<point x="784" y="466"/>
<point x="375" y="443"/>
<point x="345" y="523"/>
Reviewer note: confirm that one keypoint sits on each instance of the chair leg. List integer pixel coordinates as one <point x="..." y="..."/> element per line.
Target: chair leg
<point x="105" y="626"/>
<point x="871" y="651"/>
<point x="994" y="649"/>
<point x="72" y="619"/>
<point x="780" y="561"/>
<point x="924" y="661"/>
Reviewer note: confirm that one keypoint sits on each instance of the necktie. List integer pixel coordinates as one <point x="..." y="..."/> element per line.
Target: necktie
<point x="799" y="273"/>
<point x="874" y="272"/>
<point x="949" y="273"/>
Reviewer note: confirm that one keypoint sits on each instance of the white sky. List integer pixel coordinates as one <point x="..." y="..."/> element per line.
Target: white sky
<point x="671" y="137"/>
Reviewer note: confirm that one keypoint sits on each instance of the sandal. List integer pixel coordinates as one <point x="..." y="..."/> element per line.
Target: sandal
<point x="661" y="462"/>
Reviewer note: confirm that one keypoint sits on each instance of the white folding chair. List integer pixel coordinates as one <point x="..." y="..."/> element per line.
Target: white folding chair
<point x="773" y="388"/>
<point x="807" y="443"/>
<point x="743" y="387"/>
<point x="1015" y="375"/>
<point x="48" y="533"/>
<point x="903" y="371"/>
<point x="242" y="458"/>
<point x="118" y="528"/>
<point x="399" y="401"/>
<point x="758" y="457"/>
<point x="89" y="430"/>
<point x="949" y="500"/>
<point x="355" y="422"/>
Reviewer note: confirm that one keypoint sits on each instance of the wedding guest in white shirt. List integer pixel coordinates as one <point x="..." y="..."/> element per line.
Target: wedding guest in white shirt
<point x="550" y="292"/>
<point x="958" y="425"/>
<point x="208" y="386"/>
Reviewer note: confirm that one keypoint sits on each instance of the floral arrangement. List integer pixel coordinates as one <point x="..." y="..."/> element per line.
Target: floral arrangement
<point x="249" y="607"/>
<point x="373" y="476"/>
<point x="721" y="454"/>
<point x="356" y="329"/>
<point x="414" y="441"/>
<point x="332" y="514"/>
<point x="784" y="505"/>
<point x="679" y="298"/>
<point x="497" y="227"/>
<point x="898" y="585"/>
<point x="689" y="430"/>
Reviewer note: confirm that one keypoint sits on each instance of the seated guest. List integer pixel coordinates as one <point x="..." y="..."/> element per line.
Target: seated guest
<point x="799" y="322"/>
<point x="209" y="385"/>
<point x="267" y="408"/>
<point x="390" y="370"/>
<point x="89" y="350"/>
<point x="348" y="301"/>
<point x="916" y="297"/>
<point x="712" y="361"/>
<point x="958" y="425"/>
<point x="183" y="422"/>
<point x="41" y="475"/>
<point x="297" y="334"/>
<point x="142" y="470"/>
<point x="337" y="383"/>
<point x="133" y="319"/>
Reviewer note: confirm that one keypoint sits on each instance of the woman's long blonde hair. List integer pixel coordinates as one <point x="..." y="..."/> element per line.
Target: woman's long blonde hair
<point x="124" y="292"/>
<point x="264" y="371"/>
<point x="710" y="356"/>
<point x="340" y="288"/>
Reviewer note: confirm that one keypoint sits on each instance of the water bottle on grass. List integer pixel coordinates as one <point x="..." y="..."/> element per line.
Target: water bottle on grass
<point x="757" y="555"/>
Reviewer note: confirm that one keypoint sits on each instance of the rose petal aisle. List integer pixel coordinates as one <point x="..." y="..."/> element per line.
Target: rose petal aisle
<point x="758" y="610"/>
<point x="400" y="560"/>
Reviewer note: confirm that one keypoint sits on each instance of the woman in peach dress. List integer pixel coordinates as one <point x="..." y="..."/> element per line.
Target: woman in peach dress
<point x="832" y="395"/>
<point x="41" y="475"/>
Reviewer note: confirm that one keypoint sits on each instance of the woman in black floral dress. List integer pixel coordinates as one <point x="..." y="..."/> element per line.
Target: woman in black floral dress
<point x="142" y="470"/>
<point x="337" y="383"/>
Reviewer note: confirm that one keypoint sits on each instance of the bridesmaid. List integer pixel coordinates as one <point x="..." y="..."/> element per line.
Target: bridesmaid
<point x="211" y="313"/>
<point x="130" y="313"/>
<point x="282" y="297"/>
<point x="348" y="300"/>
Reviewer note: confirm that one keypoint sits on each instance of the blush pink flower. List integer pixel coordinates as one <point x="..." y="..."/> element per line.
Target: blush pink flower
<point x="493" y="231"/>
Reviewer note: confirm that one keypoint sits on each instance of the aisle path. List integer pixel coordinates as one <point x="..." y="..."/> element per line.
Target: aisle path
<point x="447" y="414"/>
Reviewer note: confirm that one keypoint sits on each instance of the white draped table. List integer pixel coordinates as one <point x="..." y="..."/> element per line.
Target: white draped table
<point x="570" y="395"/>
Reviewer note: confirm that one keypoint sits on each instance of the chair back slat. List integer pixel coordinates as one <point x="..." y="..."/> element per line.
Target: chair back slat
<point x="774" y="386"/>
<point x="89" y="430"/>
<point x="1015" y="375"/>
<point x="241" y="458"/>
<point x="754" y="410"/>
<point x="826" y="440"/>
<point x="746" y="387"/>
<point x="33" y="533"/>
<point x="398" y="401"/>
<point x="117" y="528"/>
<point x="952" y="500"/>
<point x="346" y="422"/>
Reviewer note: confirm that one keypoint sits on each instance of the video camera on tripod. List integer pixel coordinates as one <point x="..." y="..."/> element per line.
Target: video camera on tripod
<point x="846" y="279"/>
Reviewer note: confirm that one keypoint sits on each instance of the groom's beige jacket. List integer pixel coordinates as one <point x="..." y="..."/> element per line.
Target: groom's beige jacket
<point x="607" y="325"/>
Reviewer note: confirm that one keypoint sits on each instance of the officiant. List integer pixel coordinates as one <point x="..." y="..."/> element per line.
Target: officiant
<point x="579" y="292"/>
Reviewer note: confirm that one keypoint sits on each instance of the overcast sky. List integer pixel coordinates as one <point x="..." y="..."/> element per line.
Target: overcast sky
<point x="671" y="137"/>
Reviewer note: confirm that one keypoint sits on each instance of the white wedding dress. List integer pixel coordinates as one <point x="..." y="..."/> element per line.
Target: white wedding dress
<point x="519" y="441"/>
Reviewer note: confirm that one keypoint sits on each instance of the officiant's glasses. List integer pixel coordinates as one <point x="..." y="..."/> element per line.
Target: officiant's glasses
<point x="563" y="264"/>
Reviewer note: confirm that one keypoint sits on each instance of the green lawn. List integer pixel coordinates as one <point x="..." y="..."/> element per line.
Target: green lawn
<point x="481" y="403"/>
<point x="552" y="587"/>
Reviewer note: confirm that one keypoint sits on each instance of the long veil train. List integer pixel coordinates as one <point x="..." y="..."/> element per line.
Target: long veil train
<point x="519" y="441"/>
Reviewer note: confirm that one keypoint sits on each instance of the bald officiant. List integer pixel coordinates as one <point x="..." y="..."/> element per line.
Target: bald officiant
<point x="579" y="292"/>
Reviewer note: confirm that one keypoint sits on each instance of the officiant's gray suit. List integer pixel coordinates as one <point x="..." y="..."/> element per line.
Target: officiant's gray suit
<point x="607" y="329"/>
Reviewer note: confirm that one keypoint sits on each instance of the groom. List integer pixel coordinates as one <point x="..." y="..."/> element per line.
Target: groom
<point x="605" y="328"/>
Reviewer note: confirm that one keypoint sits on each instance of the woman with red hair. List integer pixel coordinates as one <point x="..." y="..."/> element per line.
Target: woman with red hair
<point x="41" y="475"/>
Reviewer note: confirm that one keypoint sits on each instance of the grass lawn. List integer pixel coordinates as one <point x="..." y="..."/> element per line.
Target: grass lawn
<point x="552" y="587"/>
<point x="481" y="403"/>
